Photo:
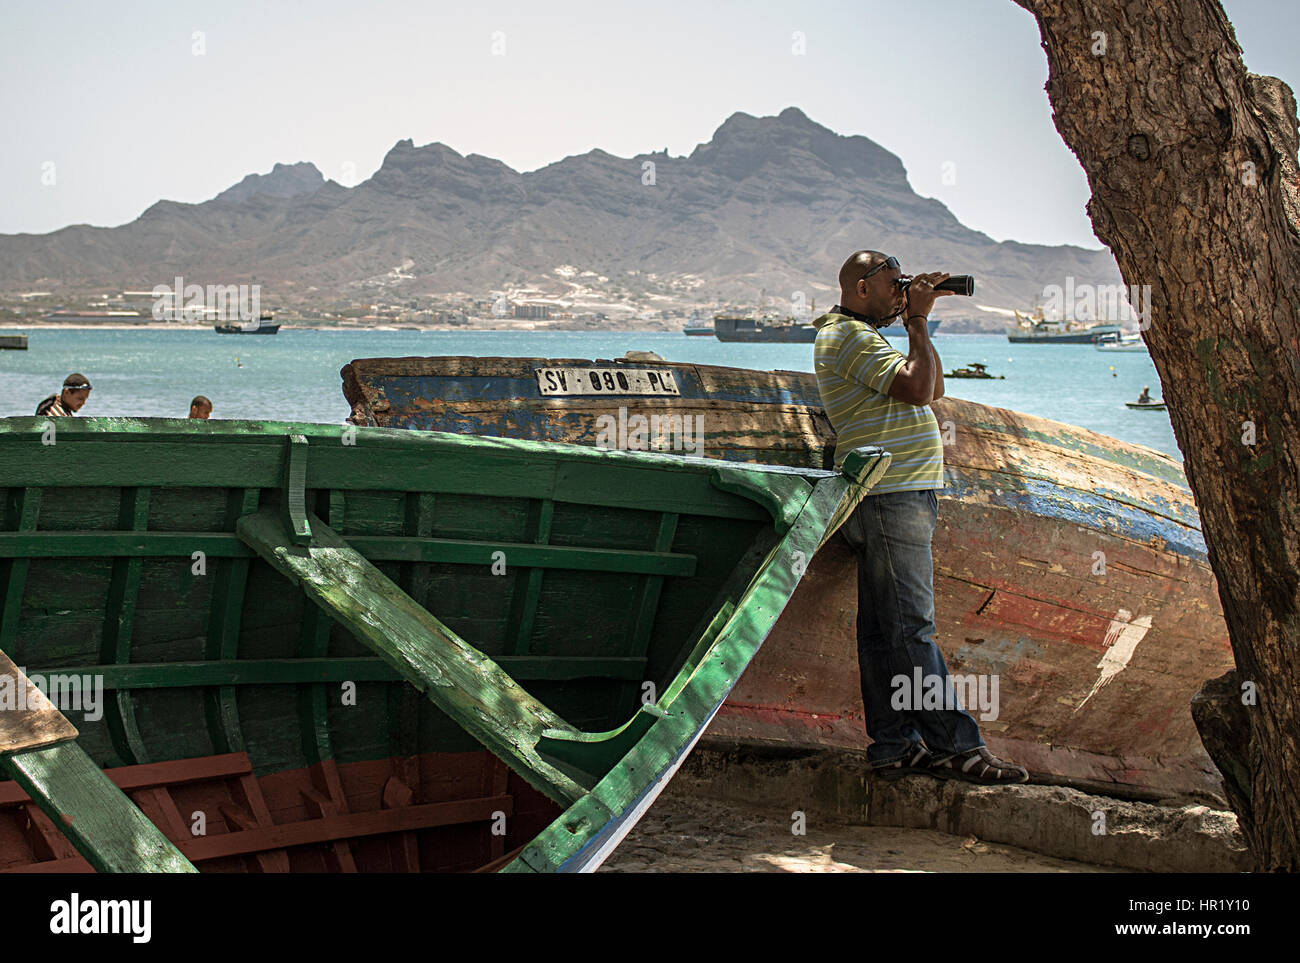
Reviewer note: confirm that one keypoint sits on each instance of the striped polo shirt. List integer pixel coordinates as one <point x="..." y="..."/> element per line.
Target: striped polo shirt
<point x="855" y="367"/>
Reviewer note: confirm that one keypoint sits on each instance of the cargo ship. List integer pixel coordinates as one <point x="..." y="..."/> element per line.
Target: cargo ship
<point x="1036" y="329"/>
<point x="263" y="325"/>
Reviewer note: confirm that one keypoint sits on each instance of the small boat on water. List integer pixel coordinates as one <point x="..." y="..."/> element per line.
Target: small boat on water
<point x="697" y="328"/>
<point x="975" y="370"/>
<point x="1068" y="565"/>
<point x="265" y="324"/>
<point x="13" y="342"/>
<point x="1120" y="342"/>
<point x="1146" y="405"/>
<point x="357" y="649"/>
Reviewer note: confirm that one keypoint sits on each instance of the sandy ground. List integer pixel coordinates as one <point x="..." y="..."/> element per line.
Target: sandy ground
<point x="682" y="834"/>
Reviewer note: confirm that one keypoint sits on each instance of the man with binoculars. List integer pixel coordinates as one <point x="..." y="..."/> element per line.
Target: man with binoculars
<point x="874" y="395"/>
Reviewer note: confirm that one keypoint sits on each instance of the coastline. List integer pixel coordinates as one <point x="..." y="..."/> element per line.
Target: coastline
<point x="468" y="328"/>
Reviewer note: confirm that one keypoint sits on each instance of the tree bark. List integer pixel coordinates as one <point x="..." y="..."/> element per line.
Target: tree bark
<point x="1192" y="165"/>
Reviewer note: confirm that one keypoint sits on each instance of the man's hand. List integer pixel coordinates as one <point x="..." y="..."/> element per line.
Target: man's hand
<point x="921" y="294"/>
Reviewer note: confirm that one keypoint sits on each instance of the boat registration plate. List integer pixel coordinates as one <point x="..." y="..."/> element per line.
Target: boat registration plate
<point x="607" y="381"/>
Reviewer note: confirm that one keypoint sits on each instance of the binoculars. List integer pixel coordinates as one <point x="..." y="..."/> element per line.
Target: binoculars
<point x="957" y="284"/>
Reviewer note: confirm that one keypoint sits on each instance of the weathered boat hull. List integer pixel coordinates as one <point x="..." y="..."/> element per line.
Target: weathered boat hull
<point x="1067" y="563"/>
<point x="277" y="618"/>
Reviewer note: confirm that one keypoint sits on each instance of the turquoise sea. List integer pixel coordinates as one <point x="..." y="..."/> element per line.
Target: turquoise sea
<point x="294" y="375"/>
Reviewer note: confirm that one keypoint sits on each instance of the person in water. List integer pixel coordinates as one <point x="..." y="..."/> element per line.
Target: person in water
<point x="875" y="395"/>
<point x="1145" y="397"/>
<point x="200" y="407"/>
<point x="76" y="389"/>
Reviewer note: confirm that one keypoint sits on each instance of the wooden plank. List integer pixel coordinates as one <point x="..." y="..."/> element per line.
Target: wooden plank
<point x="647" y="606"/>
<point x="315" y="831"/>
<point x="351" y="825"/>
<point x="95" y="815"/>
<point x="249" y="791"/>
<point x="648" y="601"/>
<point x="501" y="860"/>
<point x="175" y="773"/>
<point x="272" y="860"/>
<point x="119" y="619"/>
<point x="28" y="720"/>
<point x="293" y="492"/>
<point x="496" y="779"/>
<point x="459" y="679"/>
<point x="327" y="799"/>
<point x="44" y="838"/>
<point x="528" y="581"/>
<point x="405" y="849"/>
<point x="320" y="806"/>
<point x="222" y="644"/>
<point x="23" y="508"/>
<point x="162" y="798"/>
<point x="378" y="548"/>
<point x="313" y="713"/>
<point x="241" y="672"/>
<point x="99" y="544"/>
<point x="236" y="457"/>
<point x="419" y="524"/>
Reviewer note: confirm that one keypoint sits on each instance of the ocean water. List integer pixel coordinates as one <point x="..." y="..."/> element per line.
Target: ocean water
<point x="294" y="375"/>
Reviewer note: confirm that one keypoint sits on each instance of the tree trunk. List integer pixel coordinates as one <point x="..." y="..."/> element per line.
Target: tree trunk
<point x="1192" y="165"/>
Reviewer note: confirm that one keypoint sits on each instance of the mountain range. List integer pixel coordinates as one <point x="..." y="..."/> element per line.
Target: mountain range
<point x="772" y="203"/>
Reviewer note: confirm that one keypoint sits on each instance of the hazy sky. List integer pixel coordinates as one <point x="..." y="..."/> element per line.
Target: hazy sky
<point x="118" y="97"/>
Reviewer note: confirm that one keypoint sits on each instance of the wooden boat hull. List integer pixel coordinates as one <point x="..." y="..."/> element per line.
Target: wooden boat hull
<point x="328" y="648"/>
<point x="1149" y="406"/>
<point x="1097" y="665"/>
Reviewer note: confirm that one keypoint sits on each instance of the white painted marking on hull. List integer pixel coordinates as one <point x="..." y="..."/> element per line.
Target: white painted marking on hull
<point x="1122" y="638"/>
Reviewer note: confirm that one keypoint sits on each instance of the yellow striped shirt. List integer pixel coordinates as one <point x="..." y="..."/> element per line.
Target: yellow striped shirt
<point x="855" y="366"/>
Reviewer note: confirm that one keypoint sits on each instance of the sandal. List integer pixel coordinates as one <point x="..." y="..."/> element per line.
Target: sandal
<point x="979" y="765"/>
<point x="918" y="760"/>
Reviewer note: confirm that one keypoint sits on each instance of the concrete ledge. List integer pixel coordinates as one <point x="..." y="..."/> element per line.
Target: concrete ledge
<point x="1053" y="820"/>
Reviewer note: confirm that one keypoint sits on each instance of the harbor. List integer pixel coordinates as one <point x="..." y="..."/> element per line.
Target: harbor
<point x="1085" y="387"/>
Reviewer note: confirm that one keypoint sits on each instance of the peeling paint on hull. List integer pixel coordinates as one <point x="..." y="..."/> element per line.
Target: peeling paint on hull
<point x="1027" y="506"/>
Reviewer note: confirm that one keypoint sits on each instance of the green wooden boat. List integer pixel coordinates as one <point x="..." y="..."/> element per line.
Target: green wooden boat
<point x="327" y="648"/>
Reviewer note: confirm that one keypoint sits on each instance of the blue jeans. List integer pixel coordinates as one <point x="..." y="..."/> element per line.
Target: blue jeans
<point x="891" y="534"/>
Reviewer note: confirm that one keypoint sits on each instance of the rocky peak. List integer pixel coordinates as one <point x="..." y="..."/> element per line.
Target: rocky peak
<point x="284" y="180"/>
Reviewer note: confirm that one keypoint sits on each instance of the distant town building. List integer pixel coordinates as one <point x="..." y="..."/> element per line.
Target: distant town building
<point x="533" y="312"/>
<point x="94" y="317"/>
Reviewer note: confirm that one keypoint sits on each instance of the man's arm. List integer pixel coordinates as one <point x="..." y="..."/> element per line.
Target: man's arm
<point x="915" y="380"/>
<point x="920" y="381"/>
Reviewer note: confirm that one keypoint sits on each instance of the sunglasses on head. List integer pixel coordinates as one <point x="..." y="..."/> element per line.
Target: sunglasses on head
<point x="889" y="262"/>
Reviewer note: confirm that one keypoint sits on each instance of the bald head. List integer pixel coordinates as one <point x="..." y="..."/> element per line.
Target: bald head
<point x="858" y="264"/>
<point x="877" y="296"/>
